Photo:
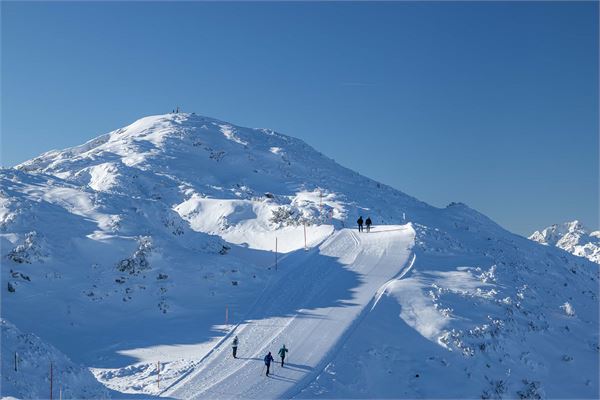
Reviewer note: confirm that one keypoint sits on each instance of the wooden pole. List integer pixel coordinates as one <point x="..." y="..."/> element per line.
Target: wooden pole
<point x="226" y="315"/>
<point x="51" y="378"/>
<point x="16" y="361"/>
<point x="158" y="374"/>
<point x="275" y="253"/>
<point x="305" y="247"/>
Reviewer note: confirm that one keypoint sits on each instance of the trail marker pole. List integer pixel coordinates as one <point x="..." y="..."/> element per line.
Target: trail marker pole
<point x="51" y="378"/>
<point x="16" y="361"/>
<point x="305" y="247"/>
<point x="275" y="253"/>
<point x="60" y="393"/>
<point x="158" y="374"/>
<point x="226" y="315"/>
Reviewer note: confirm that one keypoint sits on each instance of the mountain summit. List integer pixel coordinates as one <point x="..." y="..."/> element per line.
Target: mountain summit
<point x="151" y="246"/>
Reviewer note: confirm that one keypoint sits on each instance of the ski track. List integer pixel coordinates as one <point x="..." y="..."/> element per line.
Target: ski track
<point x="301" y="311"/>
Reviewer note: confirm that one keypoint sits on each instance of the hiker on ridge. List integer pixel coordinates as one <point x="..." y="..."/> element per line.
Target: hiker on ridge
<point x="268" y="359"/>
<point x="360" y="223"/>
<point x="234" y="346"/>
<point x="368" y="223"/>
<point x="281" y="353"/>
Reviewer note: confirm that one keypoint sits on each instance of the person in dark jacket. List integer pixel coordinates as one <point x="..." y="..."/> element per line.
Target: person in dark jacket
<point x="368" y="223"/>
<point x="234" y="346"/>
<point x="268" y="359"/>
<point x="360" y="223"/>
<point x="282" y="351"/>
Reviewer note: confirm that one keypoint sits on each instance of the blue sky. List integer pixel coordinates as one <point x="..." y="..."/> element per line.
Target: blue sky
<point x="494" y="104"/>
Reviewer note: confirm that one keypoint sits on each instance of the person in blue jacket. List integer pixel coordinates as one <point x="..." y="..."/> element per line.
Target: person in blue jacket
<point x="268" y="359"/>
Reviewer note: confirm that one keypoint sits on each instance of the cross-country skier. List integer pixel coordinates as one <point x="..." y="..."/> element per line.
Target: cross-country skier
<point x="360" y="223"/>
<point x="368" y="223"/>
<point x="268" y="359"/>
<point x="282" y="352"/>
<point x="234" y="346"/>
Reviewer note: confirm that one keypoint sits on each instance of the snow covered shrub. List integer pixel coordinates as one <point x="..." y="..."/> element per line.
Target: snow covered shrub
<point x="496" y="390"/>
<point x="174" y="226"/>
<point x="292" y="216"/>
<point x="27" y="252"/>
<point x="224" y="250"/>
<point x="138" y="261"/>
<point x="568" y="309"/>
<point x="531" y="390"/>
<point x="284" y="216"/>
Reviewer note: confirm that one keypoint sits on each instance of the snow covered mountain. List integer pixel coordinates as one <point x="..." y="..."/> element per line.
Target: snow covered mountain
<point x="572" y="237"/>
<point x="140" y="253"/>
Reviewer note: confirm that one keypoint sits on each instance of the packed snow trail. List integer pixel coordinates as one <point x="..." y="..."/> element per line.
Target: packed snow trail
<point x="311" y="310"/>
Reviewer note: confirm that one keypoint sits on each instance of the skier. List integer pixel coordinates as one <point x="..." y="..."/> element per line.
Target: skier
<point x="360" y="223"/>
<point x="281" y="353"/>
<point x="268" y="359"/>
<point x="368" y="223"/>
<point x="234" y="346"/>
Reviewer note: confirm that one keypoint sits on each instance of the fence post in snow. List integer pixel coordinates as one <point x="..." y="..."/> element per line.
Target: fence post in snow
<point x="51" y="378"/>
<point x="275" y="253"/>
<point x="158" y="374"/>
<point x="305" y="247"/>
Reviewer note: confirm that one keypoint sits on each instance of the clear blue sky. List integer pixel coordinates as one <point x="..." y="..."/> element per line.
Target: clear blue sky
<point x="491" y="104"/>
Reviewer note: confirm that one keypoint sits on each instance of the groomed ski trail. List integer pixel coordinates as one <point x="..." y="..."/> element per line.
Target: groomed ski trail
<point x="311" y="310"/>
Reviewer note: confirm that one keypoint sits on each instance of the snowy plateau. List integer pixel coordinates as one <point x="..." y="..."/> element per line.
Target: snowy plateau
<point x="130" y="262"/>
<point x="572" y="237"/>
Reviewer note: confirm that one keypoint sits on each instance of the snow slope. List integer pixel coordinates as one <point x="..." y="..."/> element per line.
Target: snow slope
<point x="144" y="248"/>
<point x="26" y="363"/>
<point x="483" y="320"/>
<point x="310" y="310"/>
<point x="572" y="237"/>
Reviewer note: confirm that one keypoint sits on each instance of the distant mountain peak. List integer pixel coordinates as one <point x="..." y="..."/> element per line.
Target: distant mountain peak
<point x="571" y="236"/>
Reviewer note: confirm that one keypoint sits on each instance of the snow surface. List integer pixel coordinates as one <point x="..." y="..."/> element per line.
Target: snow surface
<point x="310" y="310"/>
<point x="572" y="237"/>
<point x="148" y="247"/>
